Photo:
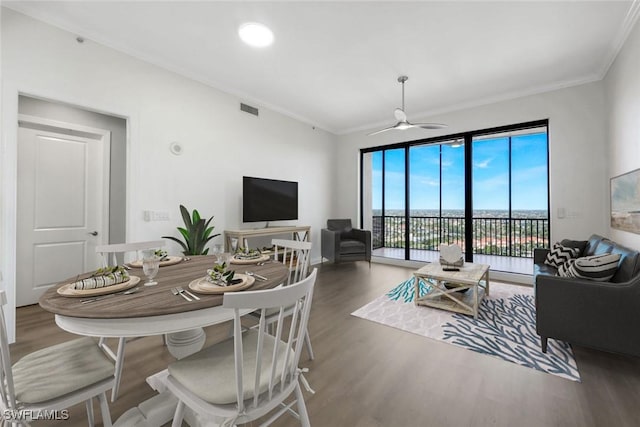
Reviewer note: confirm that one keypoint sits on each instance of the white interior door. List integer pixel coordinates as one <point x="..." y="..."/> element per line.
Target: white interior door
<point x="62" y="206"/>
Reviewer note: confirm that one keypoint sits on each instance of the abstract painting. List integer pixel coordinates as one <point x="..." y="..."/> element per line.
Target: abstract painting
<point x="625" y="201"/>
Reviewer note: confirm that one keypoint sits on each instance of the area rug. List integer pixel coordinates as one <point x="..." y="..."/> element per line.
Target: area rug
<point x="505" y="328"/>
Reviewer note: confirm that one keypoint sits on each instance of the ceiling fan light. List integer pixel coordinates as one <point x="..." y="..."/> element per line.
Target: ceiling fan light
<point x="255" y="34"/>
<point x="403" y="126"/>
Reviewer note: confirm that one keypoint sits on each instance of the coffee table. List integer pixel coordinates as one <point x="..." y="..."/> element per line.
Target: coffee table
<point x="469" y="277"/>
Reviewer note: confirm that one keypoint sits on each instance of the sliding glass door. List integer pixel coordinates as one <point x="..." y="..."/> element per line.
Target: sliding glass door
<point x="510" y="193"/>
<point x="436" y="197"/>
<point x="485" y="191"/>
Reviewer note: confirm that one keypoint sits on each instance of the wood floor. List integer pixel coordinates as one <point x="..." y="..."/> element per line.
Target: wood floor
<point x="368" y="375"/>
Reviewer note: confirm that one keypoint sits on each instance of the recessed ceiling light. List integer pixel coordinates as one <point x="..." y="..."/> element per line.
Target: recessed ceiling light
<point x="256" y="35"/>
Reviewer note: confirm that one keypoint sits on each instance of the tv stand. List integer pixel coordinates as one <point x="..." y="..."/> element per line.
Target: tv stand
<point x="240" y="237"/>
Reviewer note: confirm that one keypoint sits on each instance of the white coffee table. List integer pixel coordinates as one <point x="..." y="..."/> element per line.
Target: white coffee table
<point x="474" y="277"/>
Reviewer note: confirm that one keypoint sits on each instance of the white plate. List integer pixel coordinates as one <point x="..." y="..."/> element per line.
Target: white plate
<point x="261" y="258"/>
<point x="68" y="291"/>
<point x="170" y="260"/>
<point x="203" y="286"/>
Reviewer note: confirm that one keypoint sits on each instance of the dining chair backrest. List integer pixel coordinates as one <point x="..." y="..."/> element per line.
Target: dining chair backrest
<point x="53" y="378"/>
<point x="7" y="394"/>
<point x="110" y="258"/>
<point x="284" y="348"/>
<point x="294" y="254"/>
<point x="109" y="252"/>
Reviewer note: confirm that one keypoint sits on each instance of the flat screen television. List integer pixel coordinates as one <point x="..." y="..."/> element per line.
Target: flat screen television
<point x="268" y="199"/>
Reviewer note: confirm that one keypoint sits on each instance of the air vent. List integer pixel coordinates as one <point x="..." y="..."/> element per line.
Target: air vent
<point x="249" y="109"/>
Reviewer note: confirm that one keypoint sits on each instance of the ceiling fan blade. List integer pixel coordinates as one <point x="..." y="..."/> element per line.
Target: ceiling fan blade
<point x="400" y="115"/>
<point x="381" y="130"/>
<point x="431" y="125"/>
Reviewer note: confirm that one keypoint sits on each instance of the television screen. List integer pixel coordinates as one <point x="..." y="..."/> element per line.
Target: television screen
<point x="268" y="199"/>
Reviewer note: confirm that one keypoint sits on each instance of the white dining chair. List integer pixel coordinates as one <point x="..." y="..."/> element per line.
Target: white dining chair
<point x="250" y="374"/>
<point x="296" y="256"/>
<point x="53" y="379"/>
<point x="109" y="254"/>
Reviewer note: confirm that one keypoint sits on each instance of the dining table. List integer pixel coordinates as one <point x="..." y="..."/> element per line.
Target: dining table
<point x="156" y="310"/>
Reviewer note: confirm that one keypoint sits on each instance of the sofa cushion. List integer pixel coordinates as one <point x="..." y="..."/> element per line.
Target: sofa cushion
<point x="580" y="245"/>
<point x="559" y="254"/>
<point x="544" y="269"/>
<point x="604" y="247"/>
<point x="592" y="243"/>
<point x="595" y="267"/>
<point x="351" y="247"/>
<point x="629" y="263"/>
<point x="341" y="225"/>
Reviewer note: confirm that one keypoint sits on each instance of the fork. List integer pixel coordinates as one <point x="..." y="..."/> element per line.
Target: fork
<point x="184" y="291"/>
<point x="257" y="276"/>
<point x="175" y="291"/>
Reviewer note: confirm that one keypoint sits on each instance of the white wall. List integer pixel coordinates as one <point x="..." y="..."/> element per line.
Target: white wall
<point x="577" y="153"/>
<point x="221" y="143"/>
<point x="623" y="106"/>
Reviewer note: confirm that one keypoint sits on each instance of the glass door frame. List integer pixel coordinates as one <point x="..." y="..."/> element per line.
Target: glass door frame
<point x="467" y="137"/>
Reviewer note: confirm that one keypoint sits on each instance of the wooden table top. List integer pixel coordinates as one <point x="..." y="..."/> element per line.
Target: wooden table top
<point x="468" y="273"/>
<point x="158" y="300"/>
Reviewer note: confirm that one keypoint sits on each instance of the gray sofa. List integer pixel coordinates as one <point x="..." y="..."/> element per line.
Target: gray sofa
<point x="601" y="315"/>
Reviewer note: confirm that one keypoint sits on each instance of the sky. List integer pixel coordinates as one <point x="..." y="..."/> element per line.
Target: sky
<point x="490" y="173"/>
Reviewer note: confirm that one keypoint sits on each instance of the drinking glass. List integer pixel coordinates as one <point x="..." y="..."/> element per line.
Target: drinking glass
<point x="150" y="267"/>
<point x="217" y="251"/>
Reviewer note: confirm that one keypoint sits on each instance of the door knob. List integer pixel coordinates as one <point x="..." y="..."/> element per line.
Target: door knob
<point x="93" y="233"/>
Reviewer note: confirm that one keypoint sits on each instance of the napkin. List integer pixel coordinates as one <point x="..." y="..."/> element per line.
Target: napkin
<point x="101" y="281"/>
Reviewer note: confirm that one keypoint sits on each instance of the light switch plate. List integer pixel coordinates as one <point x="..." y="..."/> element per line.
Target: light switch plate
<point x="156" y="216"/>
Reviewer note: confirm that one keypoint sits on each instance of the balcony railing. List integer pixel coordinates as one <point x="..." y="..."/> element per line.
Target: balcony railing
<point x="515" y="237"/>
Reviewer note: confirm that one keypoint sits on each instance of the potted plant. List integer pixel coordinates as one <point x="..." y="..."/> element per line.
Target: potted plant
<point x="196" y="233"/>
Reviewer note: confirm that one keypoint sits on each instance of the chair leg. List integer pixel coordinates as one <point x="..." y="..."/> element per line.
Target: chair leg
<point x="118" y="370"/>
<point x="89" y="405"/>
<point x="178" y="415"/>
<point x="543" y="342"/>
<point x="302" y="408"/>
<point x="307" y="341"/>
<point x="104" y="410"/>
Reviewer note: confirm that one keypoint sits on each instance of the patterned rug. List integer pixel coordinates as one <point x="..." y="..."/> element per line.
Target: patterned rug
<point x="506" y="326"/>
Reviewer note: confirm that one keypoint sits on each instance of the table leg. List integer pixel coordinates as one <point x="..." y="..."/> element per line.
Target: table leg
<point x="183" y="344"/>
<point x="486" y="290"/>
<point x="475" y="301"/>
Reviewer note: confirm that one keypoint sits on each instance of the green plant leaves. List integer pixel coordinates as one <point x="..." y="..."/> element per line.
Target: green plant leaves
<point x="196" y="233"/>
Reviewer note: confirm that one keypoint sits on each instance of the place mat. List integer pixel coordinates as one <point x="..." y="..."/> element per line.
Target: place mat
<point x="203" y="286"/>
<point x="68" y="291"/>
<point x="241" y="261"/>
<point x="170" y="260"/>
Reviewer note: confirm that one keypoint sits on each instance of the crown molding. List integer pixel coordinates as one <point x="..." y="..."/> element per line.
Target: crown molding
<point x="616" y="45"/>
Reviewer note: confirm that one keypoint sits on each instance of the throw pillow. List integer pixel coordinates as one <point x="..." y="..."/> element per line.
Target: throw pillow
<point x="580" y="245"/>
<point x="560" y="254"/>
<point x="600" y="268"/>
<point x="566" y="269"/>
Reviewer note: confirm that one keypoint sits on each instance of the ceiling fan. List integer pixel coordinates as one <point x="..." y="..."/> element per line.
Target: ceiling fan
<point x="401" y="116"/>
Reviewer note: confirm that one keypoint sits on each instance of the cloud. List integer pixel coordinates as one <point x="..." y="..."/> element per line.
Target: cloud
<point x="429" y="182"/>
<point x="483" y="164"/>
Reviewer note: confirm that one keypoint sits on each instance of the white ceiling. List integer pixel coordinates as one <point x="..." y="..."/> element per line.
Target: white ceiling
<point x="335" y="64"/>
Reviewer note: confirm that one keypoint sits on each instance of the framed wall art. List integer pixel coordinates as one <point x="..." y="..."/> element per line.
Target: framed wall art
<point x="625" y="202"/>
